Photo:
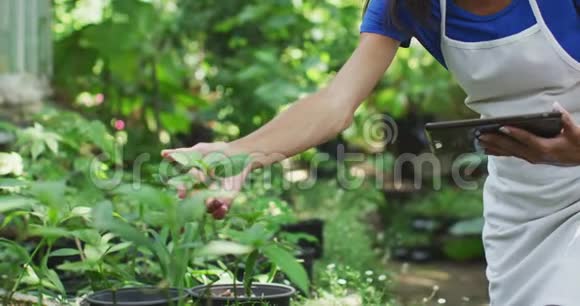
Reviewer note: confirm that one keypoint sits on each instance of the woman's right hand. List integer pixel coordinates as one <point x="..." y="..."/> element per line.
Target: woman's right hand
<point x="217" y="207"/>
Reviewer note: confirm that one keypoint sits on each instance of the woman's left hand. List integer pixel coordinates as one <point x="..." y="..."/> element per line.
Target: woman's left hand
<point x="561" y="150"/>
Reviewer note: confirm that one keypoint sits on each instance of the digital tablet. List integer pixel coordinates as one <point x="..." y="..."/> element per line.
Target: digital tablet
<point x="458" y="137"/>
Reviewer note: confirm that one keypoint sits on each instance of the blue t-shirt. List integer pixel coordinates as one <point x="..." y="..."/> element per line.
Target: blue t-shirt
<point x="561" y="16"/>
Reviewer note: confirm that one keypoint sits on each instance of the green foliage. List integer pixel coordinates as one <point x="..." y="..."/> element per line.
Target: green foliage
<point x="166" y="63"/>
<point x="129" y="232"/>
<point x="287" y="263"/>
<point x="347" y="228"/>
<point x="339" y="283"/>
<point x="449" y="202"/>
<point x="465" y="248"/>
<point x="159" y="66"/>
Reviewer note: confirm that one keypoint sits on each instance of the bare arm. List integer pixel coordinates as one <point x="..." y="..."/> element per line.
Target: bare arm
<point x="322" y="115"/>
<point x="309" y="121"/>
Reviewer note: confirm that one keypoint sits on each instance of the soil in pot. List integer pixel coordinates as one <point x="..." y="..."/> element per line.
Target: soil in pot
<point x="147" y="296"/>
<point x="262" y="294"/>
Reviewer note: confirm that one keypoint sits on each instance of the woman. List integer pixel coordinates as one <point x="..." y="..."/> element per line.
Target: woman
<point x="511" y="57"/>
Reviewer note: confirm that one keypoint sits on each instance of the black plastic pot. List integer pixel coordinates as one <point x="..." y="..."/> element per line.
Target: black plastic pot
<point x="146" y="296"/>
<point x="417" y="254"/>
<point x="264" y="294"/>
<point x="400" y="192"/>
<point x="312" y="227"/>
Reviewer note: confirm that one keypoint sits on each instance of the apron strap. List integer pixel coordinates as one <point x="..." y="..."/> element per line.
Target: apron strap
<point x="443" y="7"/>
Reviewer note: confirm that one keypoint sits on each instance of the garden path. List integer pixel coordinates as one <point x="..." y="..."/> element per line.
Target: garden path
<point x="441" y="283"/>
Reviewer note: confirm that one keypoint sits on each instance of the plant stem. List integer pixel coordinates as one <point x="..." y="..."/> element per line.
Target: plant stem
<point x="15" y="286"/>
<point x="237" y="264"/>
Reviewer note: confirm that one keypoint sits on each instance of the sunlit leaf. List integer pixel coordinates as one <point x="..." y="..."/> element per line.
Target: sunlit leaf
<point x="10" y="182"/>
<point x="49" y="231"/>
<point x="8" y="203"/>
<point x="287" y="264"/>
<point x="230" y="166"/>
<point x="64" y="252"/>
<point x="188" y="159"/>
<point x="119" y="247"/>
<point x="222" y="247"/>
<point x="54" y="280"/>
<point x="78" y="266"/>
<point x="36" y="149"/>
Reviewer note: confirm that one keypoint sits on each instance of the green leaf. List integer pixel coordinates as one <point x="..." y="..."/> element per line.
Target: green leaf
<point x="256" y="235"/>
<point x="22" y="252"/>
<point x="231" y="166"/>
<point x="52" y="144"/>
<point x="93" y="253"/>
<point x="222" y="247"/>
<point x="103" y="219"/>
<point x="78" y="266"/>
<point x="102" y="214"/>
<point x="36" y="149"/>
<point x="64" y="252"/>
<point x="15" y="203"/>
<point x="188" y="159"/>
<point x="10" y="182"/>
<point x="213" y="158"/>
<point x="49" y="193"/>
<point x="49" y="231"/>
<point x="119" y="247"/>
<point x="146" y="194"/>
<point x="96" y="132"/>
<point x="54" y="280"/>
<point x="192" y="208"/>
<point x="288" y="264"/>
<point x="182" y="181"/>
<point x="88" y="235"/>
<point x="129" y="233"/>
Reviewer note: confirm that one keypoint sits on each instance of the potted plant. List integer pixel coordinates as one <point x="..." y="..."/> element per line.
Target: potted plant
<point x="249" y="239"/>
<point x="258" y="243"/>
<point x="139" y="296"/>
<point x="167" y="229"/>
<point x="167" y="233"/>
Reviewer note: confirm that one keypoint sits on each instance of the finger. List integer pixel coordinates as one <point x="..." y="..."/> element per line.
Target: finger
<point x="567" y="119"/>
<point x="524" y="137"/>
<point x="509" y="146"/>
<point x="490" y="149"/>
<point x="569" y="126"/>
<point x="198" y="175"/>
<point x="167" y="153"/>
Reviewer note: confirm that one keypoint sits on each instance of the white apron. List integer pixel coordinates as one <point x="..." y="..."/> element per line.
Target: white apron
<point x="532" y="228"/>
